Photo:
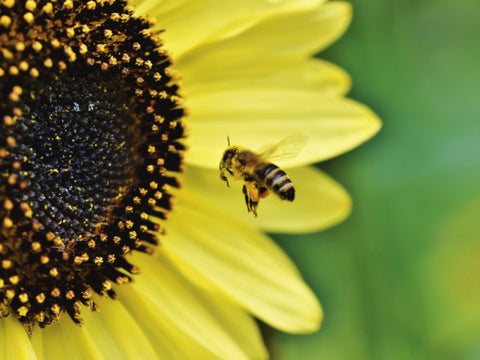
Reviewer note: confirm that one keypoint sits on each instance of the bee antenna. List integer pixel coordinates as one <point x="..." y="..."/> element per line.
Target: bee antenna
<point x="228" y="140"/>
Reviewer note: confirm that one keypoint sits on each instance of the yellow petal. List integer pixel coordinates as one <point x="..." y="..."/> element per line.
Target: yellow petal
<point x="116" y="333"/>
<point x="64" y="340"/>
<point x="252" y="117"/>
<point x="301" y="32"/>
<point x="193" y="23"/>
<point x="211" y="246"/>
<point x="319" y="203"/>
<point x="15" y="344"/>
<point x="195" y="325"/>
<point x="233" y="69"/>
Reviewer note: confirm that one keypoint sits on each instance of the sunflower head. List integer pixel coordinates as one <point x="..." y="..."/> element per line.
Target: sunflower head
<point x="90" y="126"/>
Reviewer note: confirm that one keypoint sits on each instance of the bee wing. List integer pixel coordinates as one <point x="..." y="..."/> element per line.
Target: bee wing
<point x="287" y="148"/>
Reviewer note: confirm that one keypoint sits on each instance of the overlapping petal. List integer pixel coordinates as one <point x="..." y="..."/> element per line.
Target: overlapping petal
<point x="194" y="23"/>
<point x="241" y="262"/>
<point x="64" y="339"/>
<point x="14" y="341"/>
<point x="198" y="325"/>
<point x="253" y="117"/>
<point x="320" y="201"/>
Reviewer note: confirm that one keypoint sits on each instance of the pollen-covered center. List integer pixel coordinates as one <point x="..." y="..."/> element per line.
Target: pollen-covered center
<point x="75" y="138"/>
<point x="90" y="138"/>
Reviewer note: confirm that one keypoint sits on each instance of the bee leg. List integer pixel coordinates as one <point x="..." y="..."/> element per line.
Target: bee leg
<point x="252" y="196"/>
<point x="224" y="177"/>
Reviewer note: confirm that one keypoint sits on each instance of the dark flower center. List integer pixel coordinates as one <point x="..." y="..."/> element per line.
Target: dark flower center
<point x="75" y="132"/>
<point x="90" y="131"/>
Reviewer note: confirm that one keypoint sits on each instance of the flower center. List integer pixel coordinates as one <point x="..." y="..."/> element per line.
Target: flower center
<point x="89" y="132"/>
<point x="75" y="138"/>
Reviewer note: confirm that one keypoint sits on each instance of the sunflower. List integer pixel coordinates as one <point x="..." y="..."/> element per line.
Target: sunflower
<point x="92" y="139"/>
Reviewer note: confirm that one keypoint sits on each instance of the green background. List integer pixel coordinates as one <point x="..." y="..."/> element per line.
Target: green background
<point x="400" y="278"/>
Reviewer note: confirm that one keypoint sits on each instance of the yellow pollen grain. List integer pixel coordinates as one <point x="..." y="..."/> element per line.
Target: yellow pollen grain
<point x="13" y="70"/>
<point x="7" y="54"/>
<point x="55" y="292"/>
<point x="48" y="63"/>
<point x="70" y="32"/>
<point x="44" y="259"/>
<point x="23" y="297"/>
<point x="14" y="279"/>
<point x="108" y="33"/>
<point x="83" y="49"/>
<point x="98" y="260"/>
<point x="53" y="272"/>
<point x="8" y="204"/>
<point x="29" y="18"/>
<point x="12" y="180"/>
<point x="37" y="46"/>
<point x="70" y="294"/>
<point x="40" y="298"/>
<point x="91" y="5"/>
<point x="13" y="97"/>
<point x="2" y="72"/>
<point x="47" y="8"/>
<point x="62" y="65"/>
<point x="2" y="283"/>
<point x="55" y="308"/>
<point x="40" y="317"/>
<point x="36" y="246"/>
<point x="6" y="264"/>
<point x="22" y="311"/>
<point x="5" y="21"/>
<point x="101" y="48"/>
<point x="111" y="258"/>
<point x="8" y="3"/>
<point x="23" y="66"/>
<point x="7" y="222"/>
<point x="115" y="16"/>
<point x="30" y="5"/>
<point x="34" y="73"/>
<point x="68" y="5"/>
<point x="87" y="294"/>
<point x="20" y="46"/>
<point x="55" y="43"/>
<point x="27" y="210"/>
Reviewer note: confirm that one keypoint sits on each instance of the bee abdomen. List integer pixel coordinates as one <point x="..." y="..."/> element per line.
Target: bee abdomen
<point x="278" y="181"/>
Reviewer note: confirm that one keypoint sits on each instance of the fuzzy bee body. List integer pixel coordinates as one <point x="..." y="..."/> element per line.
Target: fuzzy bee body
<point x="260" y="177"/>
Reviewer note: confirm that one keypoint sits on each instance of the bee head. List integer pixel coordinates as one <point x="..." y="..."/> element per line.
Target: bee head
<point x="229" y="153"/>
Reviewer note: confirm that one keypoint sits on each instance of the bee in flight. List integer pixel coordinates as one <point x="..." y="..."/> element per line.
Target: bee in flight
<point x="259" y="175"/>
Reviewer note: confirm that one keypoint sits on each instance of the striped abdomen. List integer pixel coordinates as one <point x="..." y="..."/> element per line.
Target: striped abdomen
<point x="277" y="181"/>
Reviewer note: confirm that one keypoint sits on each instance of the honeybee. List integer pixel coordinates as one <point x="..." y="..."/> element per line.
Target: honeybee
<point x="259" y="175"/>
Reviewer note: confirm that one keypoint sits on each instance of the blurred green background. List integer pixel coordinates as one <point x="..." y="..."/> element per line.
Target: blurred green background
<point x="400" y="279"/>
